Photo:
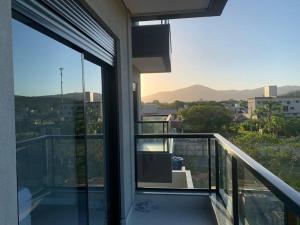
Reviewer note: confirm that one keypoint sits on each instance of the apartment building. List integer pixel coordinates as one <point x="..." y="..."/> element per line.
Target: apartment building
<point x="97" y="171"/>
<point x="270" y="91"/>
<point x="290" y="105"/>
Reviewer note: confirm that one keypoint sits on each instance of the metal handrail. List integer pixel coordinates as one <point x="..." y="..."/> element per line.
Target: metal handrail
<point x="152" y="121"/>
<point x="288" y="195"/>
<point x="167" y="120"/>
<point x="39" y="138"/>
<point x="176" y="135"/>
<point x="30" y="140"/>
<point x="278" y="187"/>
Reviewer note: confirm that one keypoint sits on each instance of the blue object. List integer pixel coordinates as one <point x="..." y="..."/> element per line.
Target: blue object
<point x="177" y="162"/>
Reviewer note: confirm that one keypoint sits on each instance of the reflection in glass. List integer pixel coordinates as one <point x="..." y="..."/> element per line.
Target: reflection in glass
<point x="257" y="204"/>
<point x="94" y="142"/>
<point x="225" y="165"/>
<point x="51" y="158"/>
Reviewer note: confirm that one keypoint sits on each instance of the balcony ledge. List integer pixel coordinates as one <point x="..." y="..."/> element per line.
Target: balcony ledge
<point x="173" y="9"/>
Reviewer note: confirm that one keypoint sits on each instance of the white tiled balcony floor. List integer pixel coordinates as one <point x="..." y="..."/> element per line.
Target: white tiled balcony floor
<point x="172" y="209"/>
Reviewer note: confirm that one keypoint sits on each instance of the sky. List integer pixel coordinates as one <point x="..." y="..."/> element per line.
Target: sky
<point x="37" y="59"/>
<point x="254" y="43"/>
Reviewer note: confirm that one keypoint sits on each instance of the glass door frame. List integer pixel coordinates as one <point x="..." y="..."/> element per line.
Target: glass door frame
<point x="111" y="139"/>
<point x="111" y="121"/>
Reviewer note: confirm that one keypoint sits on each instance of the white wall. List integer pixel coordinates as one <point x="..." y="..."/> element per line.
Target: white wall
<point x="8" y="180"/>
<point x="115" y="15"/>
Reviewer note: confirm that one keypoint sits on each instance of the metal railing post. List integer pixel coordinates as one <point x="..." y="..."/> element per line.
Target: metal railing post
<point x="289" y="217"/>
<point x="52" y="163"/>
<point x="209" y="163"/>
<point x="168" y="127"/>
<point x="235" y="191"/>
<point x="217" y="167"/>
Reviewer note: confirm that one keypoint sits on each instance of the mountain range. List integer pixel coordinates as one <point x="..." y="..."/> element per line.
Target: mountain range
<point x="74" y="96"/>
<point x="200" y="92"/>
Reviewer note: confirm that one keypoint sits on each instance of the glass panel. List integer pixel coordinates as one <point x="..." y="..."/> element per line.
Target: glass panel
<point x="225" y="178"/>
<point x="50" y="126"/>
<point x="257" y="204"/>
<point x="31" y="173"/>
<point x="180" y="163"/>
<point x="213" y="163"/>
<point x="156" y="118"/>
<point x="158" y="127"/>
<point x="154" y="125"/>
<point x="68" y="156"/>
<point x="95" y="150"/>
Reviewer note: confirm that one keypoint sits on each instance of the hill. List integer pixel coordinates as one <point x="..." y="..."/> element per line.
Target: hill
<point x="292" y="94"/>
<point x="75" y="96"/>
<point x="199" y="92"/>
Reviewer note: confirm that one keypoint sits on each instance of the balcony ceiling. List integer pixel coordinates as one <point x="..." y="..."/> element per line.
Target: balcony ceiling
<point x="170" y="9"/>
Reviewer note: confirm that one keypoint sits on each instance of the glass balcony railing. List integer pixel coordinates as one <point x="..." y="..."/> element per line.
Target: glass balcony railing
<point x="58" y="172"/>
<point x="154" y="124"/>
<point x="49" y="161"/>
<point x="251" y="194"/>
<point x="208" y="163"/>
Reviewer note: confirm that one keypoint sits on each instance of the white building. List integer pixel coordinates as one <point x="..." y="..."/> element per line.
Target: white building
<point x="270" y="91"/>
<point x="290" y="105"/>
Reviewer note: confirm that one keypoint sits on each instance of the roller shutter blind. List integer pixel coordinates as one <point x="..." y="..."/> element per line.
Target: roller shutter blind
<point x="69" y="20"/>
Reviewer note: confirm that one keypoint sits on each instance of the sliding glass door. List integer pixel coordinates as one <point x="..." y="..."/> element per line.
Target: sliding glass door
<point x="59" y="131"/>
<point x="94" y="141"/>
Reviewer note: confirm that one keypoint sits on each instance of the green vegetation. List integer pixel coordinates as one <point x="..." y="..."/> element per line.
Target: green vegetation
<point x="72" y="159"/>
<point x="280" y="155"/>
<point x="268" y="137"/>
<point x="206" y="117"/>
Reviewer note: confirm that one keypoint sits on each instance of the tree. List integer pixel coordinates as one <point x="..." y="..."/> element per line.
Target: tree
<point x="249" y="125"/>
<point x="269" y="109"/>
<point x="275" y="126"/>
<point x="292" y="127"/>
<point x="207" y="117"/>
<point x="270" y="117"/>
<point x="243" y="104"/>
<point x="178" y="105"/>
<point x="155" y="102"/>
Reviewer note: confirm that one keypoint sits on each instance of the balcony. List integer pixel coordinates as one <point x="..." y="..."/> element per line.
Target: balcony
<point x="214" y="183"/>
<point x="49" y="191"/>
<point x="228" y="185"/>
<point x="151" y="48"/>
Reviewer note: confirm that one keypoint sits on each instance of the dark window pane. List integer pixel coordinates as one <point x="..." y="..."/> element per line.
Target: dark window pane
<point x="95" y="148"/>
<point x="49" y="127"/>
